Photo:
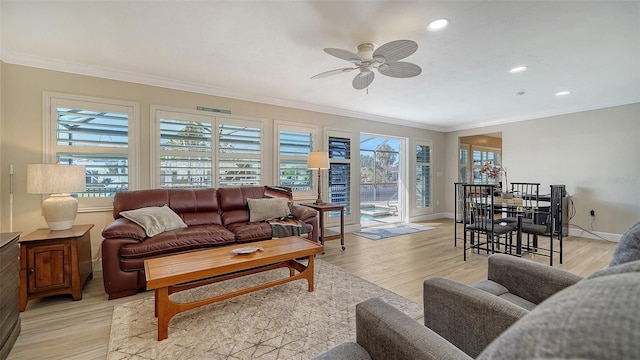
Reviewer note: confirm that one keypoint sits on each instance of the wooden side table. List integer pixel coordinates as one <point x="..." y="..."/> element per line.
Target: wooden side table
<point x="55" y="262"/>
<point x="324" y="233"/>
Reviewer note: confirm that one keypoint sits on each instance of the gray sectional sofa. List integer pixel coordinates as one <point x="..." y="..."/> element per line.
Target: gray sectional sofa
<point x="524" y="310"/>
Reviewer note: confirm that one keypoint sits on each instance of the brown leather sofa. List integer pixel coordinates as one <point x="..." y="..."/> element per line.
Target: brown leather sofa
<point x="214" y="217"/>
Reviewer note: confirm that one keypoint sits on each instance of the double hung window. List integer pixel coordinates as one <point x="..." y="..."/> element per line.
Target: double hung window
<point x="100" y="134"/>
<point x="423" y="174"/>
<point x="340" y="157"/>
<point x="196" y="150"/>
<point x="294" y="143"/>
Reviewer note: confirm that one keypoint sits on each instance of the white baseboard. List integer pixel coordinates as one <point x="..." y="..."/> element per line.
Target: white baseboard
<point x="598" y="235"/>
<point x="97" y="264"/>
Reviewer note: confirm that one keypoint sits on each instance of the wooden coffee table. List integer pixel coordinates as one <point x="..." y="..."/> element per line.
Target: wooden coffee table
<point x="171" y="274"/>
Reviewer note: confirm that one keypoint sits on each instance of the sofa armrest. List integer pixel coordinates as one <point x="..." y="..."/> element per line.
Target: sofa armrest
<point x="123" y="228"/>
<point x="467" y="317"/>
<point x="388" y="333"/>
<point x="302" y="212"/>
<point x="528" y="279"/>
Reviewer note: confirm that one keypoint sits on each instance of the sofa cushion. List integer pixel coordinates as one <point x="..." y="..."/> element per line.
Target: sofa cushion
<point x="191" y="238"/>
<point x="263" y="209"/>
<point x="597" y="318"/>
<point x="628" y="248"/>
<point x="155" y="220"/>
<point x="250" y="231"/>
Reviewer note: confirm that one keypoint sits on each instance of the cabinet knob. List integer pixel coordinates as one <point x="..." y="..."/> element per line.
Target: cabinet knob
<point x="32" y="271"/>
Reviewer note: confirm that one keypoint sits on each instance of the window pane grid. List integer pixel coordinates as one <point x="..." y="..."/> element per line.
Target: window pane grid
<point x="76" y="127"/>
<point x="296" y="144"/>
<point x="339" y="148"/>
<point x="99" y="140"/>
<point x="423" y="176"/>
<point x="339" y="189"/>
<point x="239" y="139"/>
<point x="239" y="172"/>
<point x="185" y="135"/>
<point x="185" y="172"/>
<point x="106" y="174"/>
<point x="294" y="173"/>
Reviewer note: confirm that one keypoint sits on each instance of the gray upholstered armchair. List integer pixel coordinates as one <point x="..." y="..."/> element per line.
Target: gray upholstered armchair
<point x="470" y="317"/>
<point x="584" y="320"/>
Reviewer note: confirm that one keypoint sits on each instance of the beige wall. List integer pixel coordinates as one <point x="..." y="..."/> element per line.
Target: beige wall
<point x="3" y="171"/>
<point x="22" y="133"/>
<point x="594" y="153"/>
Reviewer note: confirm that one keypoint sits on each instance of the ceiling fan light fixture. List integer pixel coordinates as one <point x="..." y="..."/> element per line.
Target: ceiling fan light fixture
<point x="517" y="69"/>
<point x="379" y="59"/>
<point x="364" y="70"/>
<point x="438" y="24"/>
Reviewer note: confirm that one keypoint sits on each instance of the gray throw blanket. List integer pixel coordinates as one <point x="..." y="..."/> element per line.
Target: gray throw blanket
<point x="283" y="227"/>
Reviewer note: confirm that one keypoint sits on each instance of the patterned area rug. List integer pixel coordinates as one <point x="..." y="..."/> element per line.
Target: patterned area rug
<point x="387" y="231"/>
<point x="282" y="322"/>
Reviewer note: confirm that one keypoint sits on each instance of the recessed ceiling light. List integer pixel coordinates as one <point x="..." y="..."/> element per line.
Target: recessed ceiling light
<point x="518" y="69"/>
<point x="563" y="93"/>
<point x="520" y="93"/>
<point x="437" y="25"/>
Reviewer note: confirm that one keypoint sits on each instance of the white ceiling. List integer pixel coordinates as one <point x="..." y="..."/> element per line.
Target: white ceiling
<point x="267" y="51"/>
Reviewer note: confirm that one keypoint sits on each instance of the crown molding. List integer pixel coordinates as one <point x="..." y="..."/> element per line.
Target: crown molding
<point x="14" y="58"/>
<point x="536" y="116"/>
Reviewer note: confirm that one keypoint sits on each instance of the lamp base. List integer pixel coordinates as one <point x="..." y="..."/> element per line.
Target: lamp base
<point x="59" y="210"/>
<point x="319" y="202"/>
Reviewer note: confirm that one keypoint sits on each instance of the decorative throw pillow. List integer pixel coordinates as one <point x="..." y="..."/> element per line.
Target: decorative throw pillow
<point x="263" y="209"/>
<point x="628" y="249"/>
<point x="155" y="220"/>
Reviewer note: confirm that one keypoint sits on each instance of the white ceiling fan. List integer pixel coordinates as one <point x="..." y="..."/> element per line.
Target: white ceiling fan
<point x="384" y="58"/>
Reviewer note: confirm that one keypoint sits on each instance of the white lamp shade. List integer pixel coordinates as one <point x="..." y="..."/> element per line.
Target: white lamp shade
<point x="318" y="160"/>
<point x="60" y="209"/>
<point x="55" y="178"/>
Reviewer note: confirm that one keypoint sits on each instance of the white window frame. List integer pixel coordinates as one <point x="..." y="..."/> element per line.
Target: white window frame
<point x="52" y="100"/>
<point x="473" y="167"/>
<point x="414" y="161"/>
<point x="352" y="216"/>
<point x="465" y="168"/>
<point x="280" y="125"/>
<point x="157" y="112"/>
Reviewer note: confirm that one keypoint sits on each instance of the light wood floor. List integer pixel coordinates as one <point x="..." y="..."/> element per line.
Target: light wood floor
<point x="60" y="328"/>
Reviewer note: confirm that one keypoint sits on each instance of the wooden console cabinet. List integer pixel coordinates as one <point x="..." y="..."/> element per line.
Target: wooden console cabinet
<point x="9" y="284"/>
<point x="55" y="262"/>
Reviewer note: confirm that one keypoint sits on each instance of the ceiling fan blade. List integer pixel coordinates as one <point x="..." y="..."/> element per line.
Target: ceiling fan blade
<point x="396" y="50"/>
<point x="332" y="72"/>
<point x="344" y="55"/>
<point x="362" y="81"/>
<point x="400" y="69"/>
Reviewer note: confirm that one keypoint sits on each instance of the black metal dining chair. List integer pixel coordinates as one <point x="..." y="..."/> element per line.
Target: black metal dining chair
<point x="481" y="232"/>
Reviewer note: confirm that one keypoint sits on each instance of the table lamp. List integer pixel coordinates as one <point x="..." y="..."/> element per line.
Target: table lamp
<point x="318" y="160"/>
<point x="59" y="209"/>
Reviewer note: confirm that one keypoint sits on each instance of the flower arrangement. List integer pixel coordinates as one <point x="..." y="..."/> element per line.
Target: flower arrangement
<point x="495" y="172"/>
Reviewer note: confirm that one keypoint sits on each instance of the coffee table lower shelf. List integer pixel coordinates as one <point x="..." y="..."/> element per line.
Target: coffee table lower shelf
<point x="171" y="274"/>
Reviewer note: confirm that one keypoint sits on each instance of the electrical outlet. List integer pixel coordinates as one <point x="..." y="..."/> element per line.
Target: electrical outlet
<point x="593" y="213"/>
